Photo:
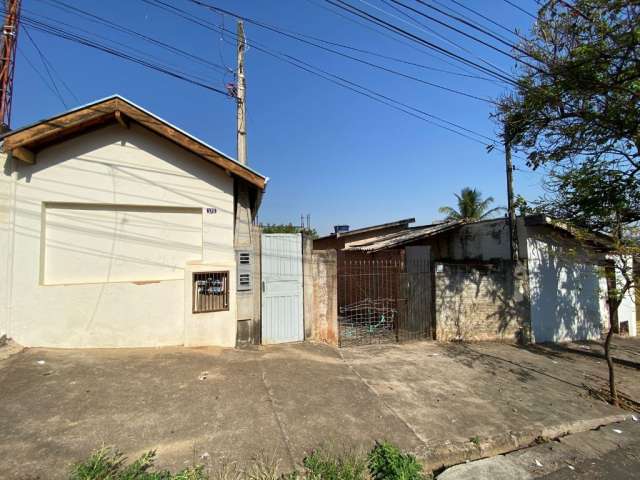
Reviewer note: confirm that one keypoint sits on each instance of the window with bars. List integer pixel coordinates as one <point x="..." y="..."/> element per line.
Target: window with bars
<point x="210" y="292"/>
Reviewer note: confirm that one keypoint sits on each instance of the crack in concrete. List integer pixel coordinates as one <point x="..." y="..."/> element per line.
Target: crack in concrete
<point x="421" y="439"/>
<point x="276" y="416"/>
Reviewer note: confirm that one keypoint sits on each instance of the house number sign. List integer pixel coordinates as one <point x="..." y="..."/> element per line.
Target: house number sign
<point x="211" y="210"/>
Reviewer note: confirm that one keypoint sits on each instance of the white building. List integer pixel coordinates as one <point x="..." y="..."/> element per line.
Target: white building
<point x="106" y="212"/>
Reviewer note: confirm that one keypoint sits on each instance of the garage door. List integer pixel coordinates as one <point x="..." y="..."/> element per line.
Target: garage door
<point x="84" y="243"/>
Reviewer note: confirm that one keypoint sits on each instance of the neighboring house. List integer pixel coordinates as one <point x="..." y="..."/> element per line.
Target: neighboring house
<point x="560" y="293"/>
<point x="120" y="230"/>
<point x="343" y="236"/>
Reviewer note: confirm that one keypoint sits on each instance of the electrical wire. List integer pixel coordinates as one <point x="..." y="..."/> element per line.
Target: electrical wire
<point x="484" y="17"/>
<point x="518" y="7"/>
<point x="42" y="77"/>
<point x="95" y="18"/>
<point x="61" y="33"/>
<point x="404" y="33"/>
<point x="45" y="64"/>
<point x="359" y="60"/>
<point x="336" y="79"/>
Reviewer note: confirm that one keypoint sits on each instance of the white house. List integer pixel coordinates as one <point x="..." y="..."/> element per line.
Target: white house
<point x="107" y="213"/>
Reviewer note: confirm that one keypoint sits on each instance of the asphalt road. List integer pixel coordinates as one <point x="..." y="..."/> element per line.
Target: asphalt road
<point x="621" y="464"/>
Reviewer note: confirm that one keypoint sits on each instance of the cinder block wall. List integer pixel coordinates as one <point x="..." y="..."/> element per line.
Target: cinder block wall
<point x="479" y="302"/>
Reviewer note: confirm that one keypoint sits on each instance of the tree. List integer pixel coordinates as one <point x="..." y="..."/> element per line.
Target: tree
<point x="287" y="228"/>
<point x="471" y="206"/>
<point x="576" y="110"/>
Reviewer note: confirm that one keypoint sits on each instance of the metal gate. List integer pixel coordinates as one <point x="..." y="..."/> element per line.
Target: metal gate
<point x="384" y="299"/>
<point x="282" y="312"/>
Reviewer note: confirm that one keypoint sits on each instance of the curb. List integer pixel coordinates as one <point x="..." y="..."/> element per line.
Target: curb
<point x="619" y="360"/>
<point x="448" y="455"/>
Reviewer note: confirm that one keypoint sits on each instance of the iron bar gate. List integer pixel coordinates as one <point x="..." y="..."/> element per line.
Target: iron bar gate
<point x="383" y="299"/>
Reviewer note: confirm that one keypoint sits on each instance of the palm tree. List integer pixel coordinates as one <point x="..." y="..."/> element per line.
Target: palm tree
<point x="471" y="206"/>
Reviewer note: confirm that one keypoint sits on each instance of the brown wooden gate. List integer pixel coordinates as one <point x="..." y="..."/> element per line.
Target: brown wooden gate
<point x="383" y="298"/>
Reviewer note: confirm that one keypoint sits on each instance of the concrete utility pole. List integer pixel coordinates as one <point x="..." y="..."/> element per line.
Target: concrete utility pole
<point x="513" y="235"/>
<point x="7" y="59"/>
<point x="240" y="98"/>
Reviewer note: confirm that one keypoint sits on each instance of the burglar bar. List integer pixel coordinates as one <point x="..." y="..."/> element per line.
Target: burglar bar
<point x="210" y="292"/>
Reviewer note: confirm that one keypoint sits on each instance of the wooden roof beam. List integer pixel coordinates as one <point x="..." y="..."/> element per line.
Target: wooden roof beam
<point x="24" y="154"/>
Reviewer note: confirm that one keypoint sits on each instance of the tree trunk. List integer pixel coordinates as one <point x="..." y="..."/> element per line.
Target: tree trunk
<point x="612" y="377"/>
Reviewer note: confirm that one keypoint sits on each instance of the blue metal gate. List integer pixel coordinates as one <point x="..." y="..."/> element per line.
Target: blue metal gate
<point x="282" y="308"/>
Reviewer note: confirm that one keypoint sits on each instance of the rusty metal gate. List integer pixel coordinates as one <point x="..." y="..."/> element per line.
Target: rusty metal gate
<point x="384" y="299"/>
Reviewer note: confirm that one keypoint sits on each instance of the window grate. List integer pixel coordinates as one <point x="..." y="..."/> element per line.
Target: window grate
<point x="210" y="292"/>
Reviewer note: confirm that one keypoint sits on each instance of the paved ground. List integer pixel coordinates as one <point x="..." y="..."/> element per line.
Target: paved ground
<point x="431" y="399"/>
<point x="611" y="452"/>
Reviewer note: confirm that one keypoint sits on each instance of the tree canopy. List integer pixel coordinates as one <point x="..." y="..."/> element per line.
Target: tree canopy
<point x="471" y="206"/>
<point x="576" y="110"/>
<point x="287" y="228"/>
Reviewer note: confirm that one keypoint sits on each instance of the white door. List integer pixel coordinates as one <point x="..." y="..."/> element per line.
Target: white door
<point x="282" y="312"/>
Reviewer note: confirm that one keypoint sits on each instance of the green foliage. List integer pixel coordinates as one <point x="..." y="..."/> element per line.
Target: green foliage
<point x="475" y="440"/>
<point x="109" y="464"/>
<point x="387" y="462"/>
<point x="287" y="228"/>
<point x="322" y="465"/>
<point x="384" y="462"/>
<point x="576" y="111"/>
<point x="471" y="206"/>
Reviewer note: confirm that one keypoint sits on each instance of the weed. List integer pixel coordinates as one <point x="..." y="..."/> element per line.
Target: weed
<point x="387" y="462"/>
<point x="110" y="464"/>
<point x="475" y="440"/>
<point x="321" y="465"/>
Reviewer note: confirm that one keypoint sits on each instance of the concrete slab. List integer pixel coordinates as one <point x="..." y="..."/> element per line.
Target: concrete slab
<point x="430" y="399"/>
<point x="572" y="456"/>
<point x="496" y="468"/>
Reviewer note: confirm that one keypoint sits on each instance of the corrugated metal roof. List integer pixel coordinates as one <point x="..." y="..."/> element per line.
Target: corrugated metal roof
<point x="397" y="239"/>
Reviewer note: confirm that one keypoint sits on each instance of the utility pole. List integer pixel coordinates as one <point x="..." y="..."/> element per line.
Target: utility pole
<point x="513" y="234"/>
<point x="7" y="59"/>
<point x="240" y="98"/>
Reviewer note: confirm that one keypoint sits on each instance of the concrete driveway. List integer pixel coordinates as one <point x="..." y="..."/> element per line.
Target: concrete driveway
<point x="432" y="399"/>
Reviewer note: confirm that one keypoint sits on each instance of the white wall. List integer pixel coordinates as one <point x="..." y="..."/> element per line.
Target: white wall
<point x="627" y="308"/>
<point x="567" y="288"/>
<point x="122" y="167"/>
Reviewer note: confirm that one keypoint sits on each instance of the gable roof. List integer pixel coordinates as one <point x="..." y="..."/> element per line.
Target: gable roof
<point x="25" y="142"/>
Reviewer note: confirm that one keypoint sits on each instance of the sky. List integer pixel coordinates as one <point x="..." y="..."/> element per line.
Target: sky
<point x="329" y="152"/>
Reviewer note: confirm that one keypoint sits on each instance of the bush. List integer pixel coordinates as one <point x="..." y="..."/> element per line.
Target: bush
<point x="109" y="464"/>
<point x="387" y="462"/>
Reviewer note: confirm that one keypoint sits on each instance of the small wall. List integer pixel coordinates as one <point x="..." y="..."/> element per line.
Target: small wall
<point x="478" y="302"/>
<point x="321" y="321"/>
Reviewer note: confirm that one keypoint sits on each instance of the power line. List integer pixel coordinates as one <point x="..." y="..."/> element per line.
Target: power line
<point x="404" y="33"/>
<point x="462" y="32"/>
<point x="518" y="7"/>
<point x="46" y="68"/>
<point x="475" y="27"/>
<point x="359" y="60"/>
<point x="484" y="17"/>
<point x="42" y="77"/>
<point x="61" y="33"/>
<point x="126" y="46"/>
<point x="336" y="79"/>
<point x="422" y="26"/>
<point x="185" y="54"/>
<point x="402" y="41"/>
